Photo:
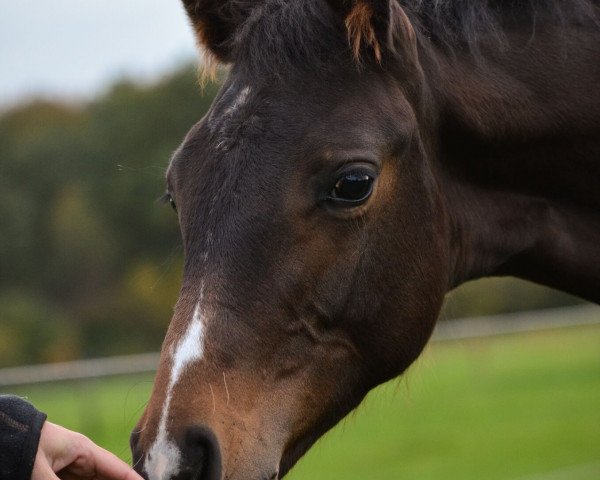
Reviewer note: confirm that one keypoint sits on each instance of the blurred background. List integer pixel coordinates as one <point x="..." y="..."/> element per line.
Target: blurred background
<point x="94" y="98"/>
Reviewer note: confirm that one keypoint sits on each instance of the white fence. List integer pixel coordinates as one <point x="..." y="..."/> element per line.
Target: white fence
<point x="445" y="331"/>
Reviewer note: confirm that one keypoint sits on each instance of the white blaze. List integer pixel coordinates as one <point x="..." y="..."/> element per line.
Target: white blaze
<point x="190" y="348"/>
<point x="162" y="461"/>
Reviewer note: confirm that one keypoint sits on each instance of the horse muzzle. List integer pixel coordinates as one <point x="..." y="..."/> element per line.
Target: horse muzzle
<point x="194" y="456"/>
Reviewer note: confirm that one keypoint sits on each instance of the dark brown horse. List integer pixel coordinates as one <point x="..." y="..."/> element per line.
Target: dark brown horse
<point x="363" y="158"/>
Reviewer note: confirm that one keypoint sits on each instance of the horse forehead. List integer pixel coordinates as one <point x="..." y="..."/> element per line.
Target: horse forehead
<point x="258" y="116"/>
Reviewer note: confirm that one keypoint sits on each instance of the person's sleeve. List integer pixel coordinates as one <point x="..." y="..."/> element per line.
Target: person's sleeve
<point x="20" y="427"/>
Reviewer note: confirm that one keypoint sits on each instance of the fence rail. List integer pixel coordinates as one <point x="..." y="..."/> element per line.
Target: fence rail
<point x="79" y="370"/>
<point x="530" y="321"/>
<point x="466" y="328"/>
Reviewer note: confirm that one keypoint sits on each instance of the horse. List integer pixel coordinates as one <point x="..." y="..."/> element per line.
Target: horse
<point x="362" y="159"/>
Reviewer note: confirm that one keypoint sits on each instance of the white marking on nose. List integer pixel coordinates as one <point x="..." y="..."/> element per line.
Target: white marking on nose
<point x="191" y="346"/>
<point x="163" y="458"/>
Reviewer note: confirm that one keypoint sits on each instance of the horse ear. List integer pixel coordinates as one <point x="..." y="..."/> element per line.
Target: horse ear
<point x="377" y="24"/>
<point x="215" y="23"/>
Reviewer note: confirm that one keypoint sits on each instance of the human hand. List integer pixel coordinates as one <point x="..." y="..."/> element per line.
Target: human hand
<point x="72" y="456"/>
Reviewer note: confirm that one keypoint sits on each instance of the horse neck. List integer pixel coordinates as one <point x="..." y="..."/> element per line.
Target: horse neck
<point x="517" y="150"/>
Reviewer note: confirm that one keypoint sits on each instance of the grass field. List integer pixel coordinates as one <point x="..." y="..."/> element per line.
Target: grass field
<point x="516" y="407"/>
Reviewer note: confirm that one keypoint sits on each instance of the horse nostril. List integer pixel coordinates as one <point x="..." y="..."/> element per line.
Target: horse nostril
<point x="201" y="456"/>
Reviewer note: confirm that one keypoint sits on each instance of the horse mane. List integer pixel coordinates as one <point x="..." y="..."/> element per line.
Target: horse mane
<point x="304" y="33"/>
<point x="451" y="24"/>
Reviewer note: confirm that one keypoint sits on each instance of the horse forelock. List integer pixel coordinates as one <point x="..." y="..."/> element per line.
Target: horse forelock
<point x="280" y="36"/>
<point x="359" y="24"/>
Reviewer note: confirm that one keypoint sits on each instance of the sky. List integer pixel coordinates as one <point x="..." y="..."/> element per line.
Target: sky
<point x="74" y="49"/>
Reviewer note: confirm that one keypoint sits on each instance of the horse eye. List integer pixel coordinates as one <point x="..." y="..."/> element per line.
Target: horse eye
<point x="167" y="197"/>
<point x="353" y="188"/>
<point x="172" y="202"/>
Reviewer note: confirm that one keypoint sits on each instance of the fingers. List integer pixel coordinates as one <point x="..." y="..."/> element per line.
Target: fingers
<point x="42" y="470"/>
<point x="109" y="467"/>
<point x="76" y="457"/>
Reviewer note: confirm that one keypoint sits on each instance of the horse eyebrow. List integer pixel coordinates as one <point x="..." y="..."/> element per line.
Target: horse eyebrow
<point x="343" y="156"/>
<point x="169" y="172"/>
<point x="168" y="176"/>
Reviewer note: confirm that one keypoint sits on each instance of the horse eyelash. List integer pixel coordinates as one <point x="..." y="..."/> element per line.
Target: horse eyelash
<point x="167" y="198"/>
<point x="163" y="199"/>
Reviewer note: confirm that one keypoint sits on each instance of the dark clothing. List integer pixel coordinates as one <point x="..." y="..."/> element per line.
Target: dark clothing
<point x="20" y="427"/>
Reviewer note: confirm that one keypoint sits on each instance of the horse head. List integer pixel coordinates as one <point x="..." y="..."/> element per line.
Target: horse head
<point x="316" y="243"/>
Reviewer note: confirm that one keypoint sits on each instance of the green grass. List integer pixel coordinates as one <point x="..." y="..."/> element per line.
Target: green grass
<point x="501" y="408"/>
